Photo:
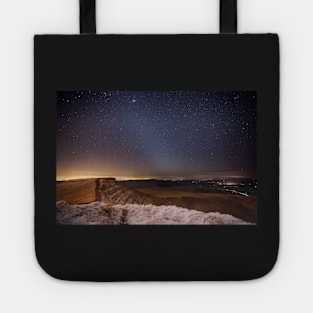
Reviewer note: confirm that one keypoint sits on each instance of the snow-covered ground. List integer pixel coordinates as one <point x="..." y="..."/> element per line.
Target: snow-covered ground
<point x="135" y="214"/>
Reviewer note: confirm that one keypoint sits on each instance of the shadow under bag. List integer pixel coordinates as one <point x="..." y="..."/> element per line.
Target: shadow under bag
<point x="157" y="156"/>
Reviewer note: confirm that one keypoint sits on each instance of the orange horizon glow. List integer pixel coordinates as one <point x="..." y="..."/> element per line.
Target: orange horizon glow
<point x="173" y="178"/>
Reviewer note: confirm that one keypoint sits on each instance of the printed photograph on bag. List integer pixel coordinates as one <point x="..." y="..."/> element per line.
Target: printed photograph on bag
<point x="156" y="157"/>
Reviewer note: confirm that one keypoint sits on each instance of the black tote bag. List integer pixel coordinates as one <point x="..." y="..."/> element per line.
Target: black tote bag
<point x="157" y="156"/>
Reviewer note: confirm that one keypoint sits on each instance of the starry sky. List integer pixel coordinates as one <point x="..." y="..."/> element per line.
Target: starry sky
<point x="156" y="134"/>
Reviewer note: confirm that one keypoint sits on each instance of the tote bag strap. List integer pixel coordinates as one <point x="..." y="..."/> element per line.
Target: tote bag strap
<point x="87" y="16"/>
<point x="228" y="16"/>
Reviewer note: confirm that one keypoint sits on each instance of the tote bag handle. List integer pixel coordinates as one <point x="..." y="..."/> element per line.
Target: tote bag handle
<point x="228" y="16"/>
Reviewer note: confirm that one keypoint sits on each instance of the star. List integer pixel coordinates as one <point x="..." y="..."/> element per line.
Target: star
<point x="156" y="133"/>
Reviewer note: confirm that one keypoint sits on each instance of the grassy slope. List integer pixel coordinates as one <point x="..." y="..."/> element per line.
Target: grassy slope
<point x="84" y="191"/>
<point x="77" y="191"/>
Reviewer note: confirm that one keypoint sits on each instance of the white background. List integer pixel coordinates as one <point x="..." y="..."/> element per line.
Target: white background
<point x="25" y="287"/>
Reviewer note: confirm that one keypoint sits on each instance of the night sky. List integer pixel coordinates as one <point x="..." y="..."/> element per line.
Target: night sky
<point x="156" y="134"/>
